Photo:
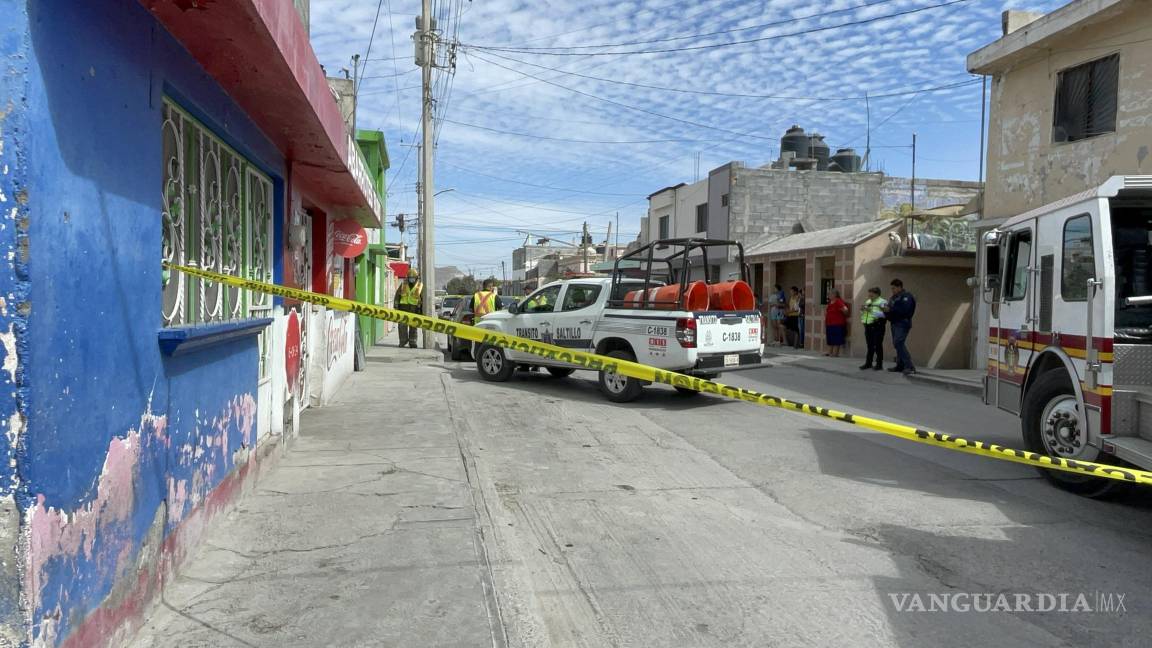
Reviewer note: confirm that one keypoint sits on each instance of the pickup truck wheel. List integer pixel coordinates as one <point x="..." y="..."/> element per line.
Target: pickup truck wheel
<point x="493" y="364"/>
<point x="620" y="389"/>
<point x="1053" y="424"/>
<point x="560" y="372"/>
<point x="456" y="351"/>
<point x="684" y="391"/>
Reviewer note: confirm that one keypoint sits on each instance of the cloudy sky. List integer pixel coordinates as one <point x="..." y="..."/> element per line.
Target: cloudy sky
<point x="565" y="111"/>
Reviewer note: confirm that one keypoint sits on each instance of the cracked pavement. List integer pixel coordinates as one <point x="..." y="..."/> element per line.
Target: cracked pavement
<point x="429" y="508"/>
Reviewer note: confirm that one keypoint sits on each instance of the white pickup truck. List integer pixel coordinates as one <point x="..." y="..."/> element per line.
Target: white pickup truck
<point x="595" y="314"/>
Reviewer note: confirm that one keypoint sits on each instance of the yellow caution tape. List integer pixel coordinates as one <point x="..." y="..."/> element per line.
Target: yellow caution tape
<point x="596" y="362"/>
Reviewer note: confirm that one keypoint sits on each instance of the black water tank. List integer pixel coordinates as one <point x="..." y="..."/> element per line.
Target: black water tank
<point x="818" y="150"/>
<point x="846" y="160"/>
<point x="796" y="141"/>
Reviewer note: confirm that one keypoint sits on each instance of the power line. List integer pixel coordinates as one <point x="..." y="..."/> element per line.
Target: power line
<point x="716" y="93"/>
<point x="520" y="204"/>
<point x="389" y="76"/>
<point x="565" y="139"/>
<point x="629" y="106"/>
<point x="703" y="35"/>
<point x="863" y="21"/>
<point x="371" y="38"/>
<point x="539" y="186"/>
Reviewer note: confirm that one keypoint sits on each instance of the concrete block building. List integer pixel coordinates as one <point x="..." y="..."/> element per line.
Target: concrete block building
<point x="137" y="402"/>
<point x="753" y="205"/>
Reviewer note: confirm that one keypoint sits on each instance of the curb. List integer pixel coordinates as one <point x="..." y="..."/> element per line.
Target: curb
<point x="950" y="384"/>
<point x="927" y="380"/>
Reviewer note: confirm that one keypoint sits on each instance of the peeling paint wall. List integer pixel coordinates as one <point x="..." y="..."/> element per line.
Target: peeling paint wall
<point x="126" y="451"/>
<point x="14" y="46"/>
<point x="1026" y="169"/>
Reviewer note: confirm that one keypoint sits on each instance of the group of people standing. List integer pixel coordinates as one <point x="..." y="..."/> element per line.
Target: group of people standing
<point x="786" y="316"/>
<point x="786" y="319"/>
<point x="410" y="295"/>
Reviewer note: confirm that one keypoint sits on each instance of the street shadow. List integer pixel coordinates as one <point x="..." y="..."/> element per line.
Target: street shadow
<point x="1010" y="533"/>
<point x="581" y="386"/>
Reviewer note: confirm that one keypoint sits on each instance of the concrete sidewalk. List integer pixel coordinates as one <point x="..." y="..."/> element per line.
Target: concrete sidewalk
<point x="967" y="381"/>
<point x="365" y="534"/>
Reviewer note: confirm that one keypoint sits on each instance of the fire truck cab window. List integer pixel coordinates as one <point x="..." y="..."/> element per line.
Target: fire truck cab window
<point x="1132" y="246"/>
<point x="1077" y="260"/>
<point x="1019" y="255"/>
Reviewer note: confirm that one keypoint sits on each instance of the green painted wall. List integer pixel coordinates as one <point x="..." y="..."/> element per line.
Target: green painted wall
<point x="371" y="266"/>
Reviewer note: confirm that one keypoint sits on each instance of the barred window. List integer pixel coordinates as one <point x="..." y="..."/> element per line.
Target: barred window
<point x="217" y="215"/>
<point x="1086" y="100"/>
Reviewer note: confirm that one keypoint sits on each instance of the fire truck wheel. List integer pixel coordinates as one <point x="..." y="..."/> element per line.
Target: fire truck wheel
<point x="620" y="389"/>
<point x="493" y="364"/>
<point x="1052" y="424"/>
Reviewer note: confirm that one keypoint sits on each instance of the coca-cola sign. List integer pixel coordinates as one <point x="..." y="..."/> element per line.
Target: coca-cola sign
<point x="348" y="238"/>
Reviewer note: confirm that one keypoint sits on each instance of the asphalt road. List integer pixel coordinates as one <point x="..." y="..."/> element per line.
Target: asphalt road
<point x="697" y="521"/>
<point x="427" y="507"/>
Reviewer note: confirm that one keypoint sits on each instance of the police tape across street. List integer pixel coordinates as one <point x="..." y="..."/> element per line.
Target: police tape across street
<point x="639" y="371"/>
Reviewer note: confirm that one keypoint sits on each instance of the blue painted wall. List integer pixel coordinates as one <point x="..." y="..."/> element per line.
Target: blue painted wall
<point x="14" y="43"/>
<point x="114" y="426"/>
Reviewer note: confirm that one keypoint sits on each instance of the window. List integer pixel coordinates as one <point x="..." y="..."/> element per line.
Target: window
<point x="1077" y="260"/>
<point x="217" y="215"/>
<point x="663" y="227"/>
<point x="1019" y="255"/>
<point x="542" y="301"/>
<point x="702" y="218"/>
<point x="1086" y="100"/>
<point x="724" y="200"/>
<point x="580" y="296"/>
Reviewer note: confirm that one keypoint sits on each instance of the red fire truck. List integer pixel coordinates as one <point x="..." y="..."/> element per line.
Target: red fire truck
<point x="1069" y="287"/>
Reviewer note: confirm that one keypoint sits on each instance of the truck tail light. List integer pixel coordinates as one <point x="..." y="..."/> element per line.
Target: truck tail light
<point x="686" y="332"/>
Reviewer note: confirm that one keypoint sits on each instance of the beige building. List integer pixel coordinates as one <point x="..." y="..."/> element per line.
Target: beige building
<point x="1070" y="102"/>
<point x="852" y="259"/>
<point x="1070" y="106"/>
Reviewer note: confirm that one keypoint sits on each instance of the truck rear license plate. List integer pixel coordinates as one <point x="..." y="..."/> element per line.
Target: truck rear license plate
<point x="732" y="360"/>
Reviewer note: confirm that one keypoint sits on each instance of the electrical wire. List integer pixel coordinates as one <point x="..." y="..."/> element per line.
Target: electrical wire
<point x="628" y="106"/>
<point x="538" y="186"/>
<point x="716" y="93"/>
<point x="371" y="38"/>
<point x="565" y="139"/>
<point x="806" y="32"/>
<point x="706" y="34"/>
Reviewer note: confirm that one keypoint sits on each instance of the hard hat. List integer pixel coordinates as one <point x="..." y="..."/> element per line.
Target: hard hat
<point x="413" y="272"/>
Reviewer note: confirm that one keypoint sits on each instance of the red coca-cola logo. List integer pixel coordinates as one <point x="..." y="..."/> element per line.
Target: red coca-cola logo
<point x="348" y="238"/>
<point x="292" y="350"/>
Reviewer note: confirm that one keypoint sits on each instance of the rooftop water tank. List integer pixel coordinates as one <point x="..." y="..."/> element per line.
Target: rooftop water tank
<point x="846" y="160"/>
<point x="796" y="141"/>
<point x="818" y="150"/>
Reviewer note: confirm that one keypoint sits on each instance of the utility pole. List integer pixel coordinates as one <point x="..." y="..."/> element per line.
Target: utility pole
<point x="983" y="112"/>
<point x="911" y="220"/>
<point x="355" y="89"/>
<point x="503" y="274"/>
<point x="584" y="245"/>
<point x="617" y="232"/>
<point x="425" y="58"/>
<point x="913" y="171"/>
<point x="608" y="241"/>
<point x="868" y="133"/>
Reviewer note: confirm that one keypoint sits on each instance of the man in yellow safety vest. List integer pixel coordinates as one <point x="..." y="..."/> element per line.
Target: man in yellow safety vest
<point x="484" y="301"/>
<point x="409" y="298"/>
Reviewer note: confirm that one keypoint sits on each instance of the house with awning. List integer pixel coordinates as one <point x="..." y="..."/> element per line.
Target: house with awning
<point x="138" y="401"/>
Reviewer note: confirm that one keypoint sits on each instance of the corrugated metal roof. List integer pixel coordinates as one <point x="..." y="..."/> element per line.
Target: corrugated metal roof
<point x="828" y="238"/>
